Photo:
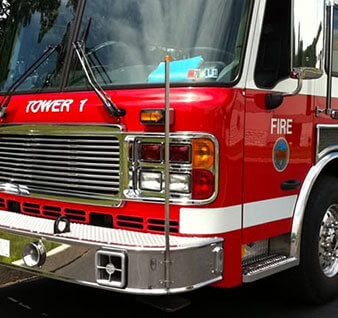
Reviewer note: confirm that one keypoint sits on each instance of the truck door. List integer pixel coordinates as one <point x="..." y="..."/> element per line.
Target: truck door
<point x="278" y="151"/>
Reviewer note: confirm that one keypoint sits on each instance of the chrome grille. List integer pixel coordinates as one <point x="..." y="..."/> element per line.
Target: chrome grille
<point x="79" y="165"/>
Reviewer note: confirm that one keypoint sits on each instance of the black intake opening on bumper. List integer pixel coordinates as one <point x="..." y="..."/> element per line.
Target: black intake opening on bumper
<point x="14" y="206"/>
<point x="99" y="219"/>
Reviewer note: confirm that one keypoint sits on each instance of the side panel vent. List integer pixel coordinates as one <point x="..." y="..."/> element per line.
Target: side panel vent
<point x="159" y="226"/>
<point x="111" y="268"/>
<point x="327" y="137"/>
<point x="130" y="222"/>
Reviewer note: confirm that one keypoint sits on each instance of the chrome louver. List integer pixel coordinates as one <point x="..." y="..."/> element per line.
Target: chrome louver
<point x="89" y="164"/>
<point x="77" y="163"/>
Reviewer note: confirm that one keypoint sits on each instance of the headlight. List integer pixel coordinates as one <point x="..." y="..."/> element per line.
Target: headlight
<point x="151" y="181"/>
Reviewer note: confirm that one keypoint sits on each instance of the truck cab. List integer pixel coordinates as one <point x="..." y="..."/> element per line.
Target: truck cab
<point x="155" y="147"/>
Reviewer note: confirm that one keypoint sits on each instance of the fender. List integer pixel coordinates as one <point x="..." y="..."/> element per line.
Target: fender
<point x="299" y="213"/>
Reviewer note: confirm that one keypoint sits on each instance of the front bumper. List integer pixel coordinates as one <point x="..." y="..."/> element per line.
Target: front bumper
<point x="124" y="261"/>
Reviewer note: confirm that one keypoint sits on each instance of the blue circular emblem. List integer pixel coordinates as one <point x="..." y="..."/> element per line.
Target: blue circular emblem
<point x="281" y="154"/>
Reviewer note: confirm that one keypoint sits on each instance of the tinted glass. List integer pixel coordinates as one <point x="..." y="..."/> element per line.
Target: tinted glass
<point x="27" y="28"/>
<point x="335" y="44"/>
<point x="127" y="40"/>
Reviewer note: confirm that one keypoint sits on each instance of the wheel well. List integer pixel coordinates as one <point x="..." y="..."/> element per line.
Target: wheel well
<point x="331" y="169"/>
<point x="327" y="166"/>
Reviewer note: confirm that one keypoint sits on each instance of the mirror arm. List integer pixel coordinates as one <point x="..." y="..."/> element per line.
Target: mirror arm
<point x="274" y="100"/>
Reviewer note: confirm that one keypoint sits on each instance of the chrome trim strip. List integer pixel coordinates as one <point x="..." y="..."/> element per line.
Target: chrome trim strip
<point x="69" y="157"/>
<point x="53" y="177"/>
<point x="326" y="151"/>
<point x="81" y="164"/>
<point x="77" y="153"/>
<point x="75" y="171"/>
<point x="303" y="197"/>
<point x="55" y="145"/>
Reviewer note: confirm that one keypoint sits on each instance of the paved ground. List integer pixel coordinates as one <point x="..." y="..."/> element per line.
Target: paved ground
<point x="49" y="298"/>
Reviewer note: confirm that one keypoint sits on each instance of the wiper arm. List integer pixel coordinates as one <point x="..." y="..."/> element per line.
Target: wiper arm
<point x="109" y="105"/>
<point x="9" y="93"/>
<point x="59" y="60"/>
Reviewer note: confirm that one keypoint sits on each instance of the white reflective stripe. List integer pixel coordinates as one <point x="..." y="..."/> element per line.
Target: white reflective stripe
<point x="210" y="221"/>
<point x="223" y="220"/>
<point x="260" y="212"/>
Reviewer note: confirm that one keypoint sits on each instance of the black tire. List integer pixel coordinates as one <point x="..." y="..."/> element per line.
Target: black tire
<point x="318" y="287"/>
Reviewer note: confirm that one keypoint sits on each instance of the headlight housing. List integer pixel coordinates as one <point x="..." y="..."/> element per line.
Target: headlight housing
<point x="193" y="168"/>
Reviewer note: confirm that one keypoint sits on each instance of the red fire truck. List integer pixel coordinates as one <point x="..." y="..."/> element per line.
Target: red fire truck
<point x="154" y="147"/>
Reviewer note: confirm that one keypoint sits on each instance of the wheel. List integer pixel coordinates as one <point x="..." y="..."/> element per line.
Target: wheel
<point x="318" y="269"/>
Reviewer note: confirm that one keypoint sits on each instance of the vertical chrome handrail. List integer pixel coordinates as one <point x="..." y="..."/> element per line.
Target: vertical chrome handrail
<point x="167" y="260"/>
<point x="329" y="59"/>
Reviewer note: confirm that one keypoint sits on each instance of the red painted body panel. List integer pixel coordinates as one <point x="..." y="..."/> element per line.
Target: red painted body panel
<point x="218" y="111"/>
<point x="262" y="180"/>
<point x="232" y="260"/>
<point x="261" y="232"/>
<point x="240" y="122"/>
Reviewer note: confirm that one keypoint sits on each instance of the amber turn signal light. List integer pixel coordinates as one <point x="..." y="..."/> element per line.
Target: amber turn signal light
<point x="203" y="154"/>
<point x="155" y="116"/>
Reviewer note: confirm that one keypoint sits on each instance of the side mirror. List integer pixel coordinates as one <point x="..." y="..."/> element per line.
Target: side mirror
<point x="307" y="46"/>
<point x="307" y="38"/>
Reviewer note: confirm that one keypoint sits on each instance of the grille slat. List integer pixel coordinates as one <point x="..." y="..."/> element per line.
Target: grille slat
<point x="9" y="165"/>
<point x="34" y="150"/>
<point x="62" y="163"/>
<point x="67" y="158"/>
<point x="67" y="179"/>
<point x="65" y="145"/>
<point x="64" y="139"/>
<point x="60" y="186"/>
<point x="113" y="176"/>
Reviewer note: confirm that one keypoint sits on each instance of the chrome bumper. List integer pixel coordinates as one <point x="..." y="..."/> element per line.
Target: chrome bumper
<point x="124" y="261"/>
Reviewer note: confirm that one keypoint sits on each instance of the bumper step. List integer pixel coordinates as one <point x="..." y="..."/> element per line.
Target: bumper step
<point x="121" y="260"/>
<point x="267" y="266"/>
<point x="94" y="234"/>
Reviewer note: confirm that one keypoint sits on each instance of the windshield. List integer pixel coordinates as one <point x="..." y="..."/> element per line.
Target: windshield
<point x="127" y="40"/>
<point x="27" y="29"/>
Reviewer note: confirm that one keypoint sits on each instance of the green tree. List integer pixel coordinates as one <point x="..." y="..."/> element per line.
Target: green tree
<point x="24" y="9"/>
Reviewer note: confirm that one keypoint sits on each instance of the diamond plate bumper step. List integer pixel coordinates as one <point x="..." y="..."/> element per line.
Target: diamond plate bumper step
<point x="121" y="260"/>
<point x="266" y="266"/>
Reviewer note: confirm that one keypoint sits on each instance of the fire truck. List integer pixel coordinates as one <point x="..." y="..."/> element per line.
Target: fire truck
<point x="154" y="147"/>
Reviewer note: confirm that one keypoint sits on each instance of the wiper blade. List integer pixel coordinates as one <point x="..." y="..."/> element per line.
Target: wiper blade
<point x="9" y="93"/>
<point x="109" y="105"/>
<point x="59" y="61"/>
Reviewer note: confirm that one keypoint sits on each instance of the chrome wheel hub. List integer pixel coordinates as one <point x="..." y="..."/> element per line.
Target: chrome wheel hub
<point x="328" y="242"/>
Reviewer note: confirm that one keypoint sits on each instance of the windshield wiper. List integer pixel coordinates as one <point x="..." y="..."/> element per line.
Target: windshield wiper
<point x="109" y="105"/>
<point x="59" y="60"/>
<point x="9" y="93"/>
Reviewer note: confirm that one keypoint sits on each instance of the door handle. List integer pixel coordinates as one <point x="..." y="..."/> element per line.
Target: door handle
<point x="290" y="185"/>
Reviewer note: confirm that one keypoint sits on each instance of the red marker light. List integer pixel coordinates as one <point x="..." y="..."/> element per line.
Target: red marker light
<point x="203" y="185"/>
<point x="151" y="152"/>
<point x="180" y="153"/>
